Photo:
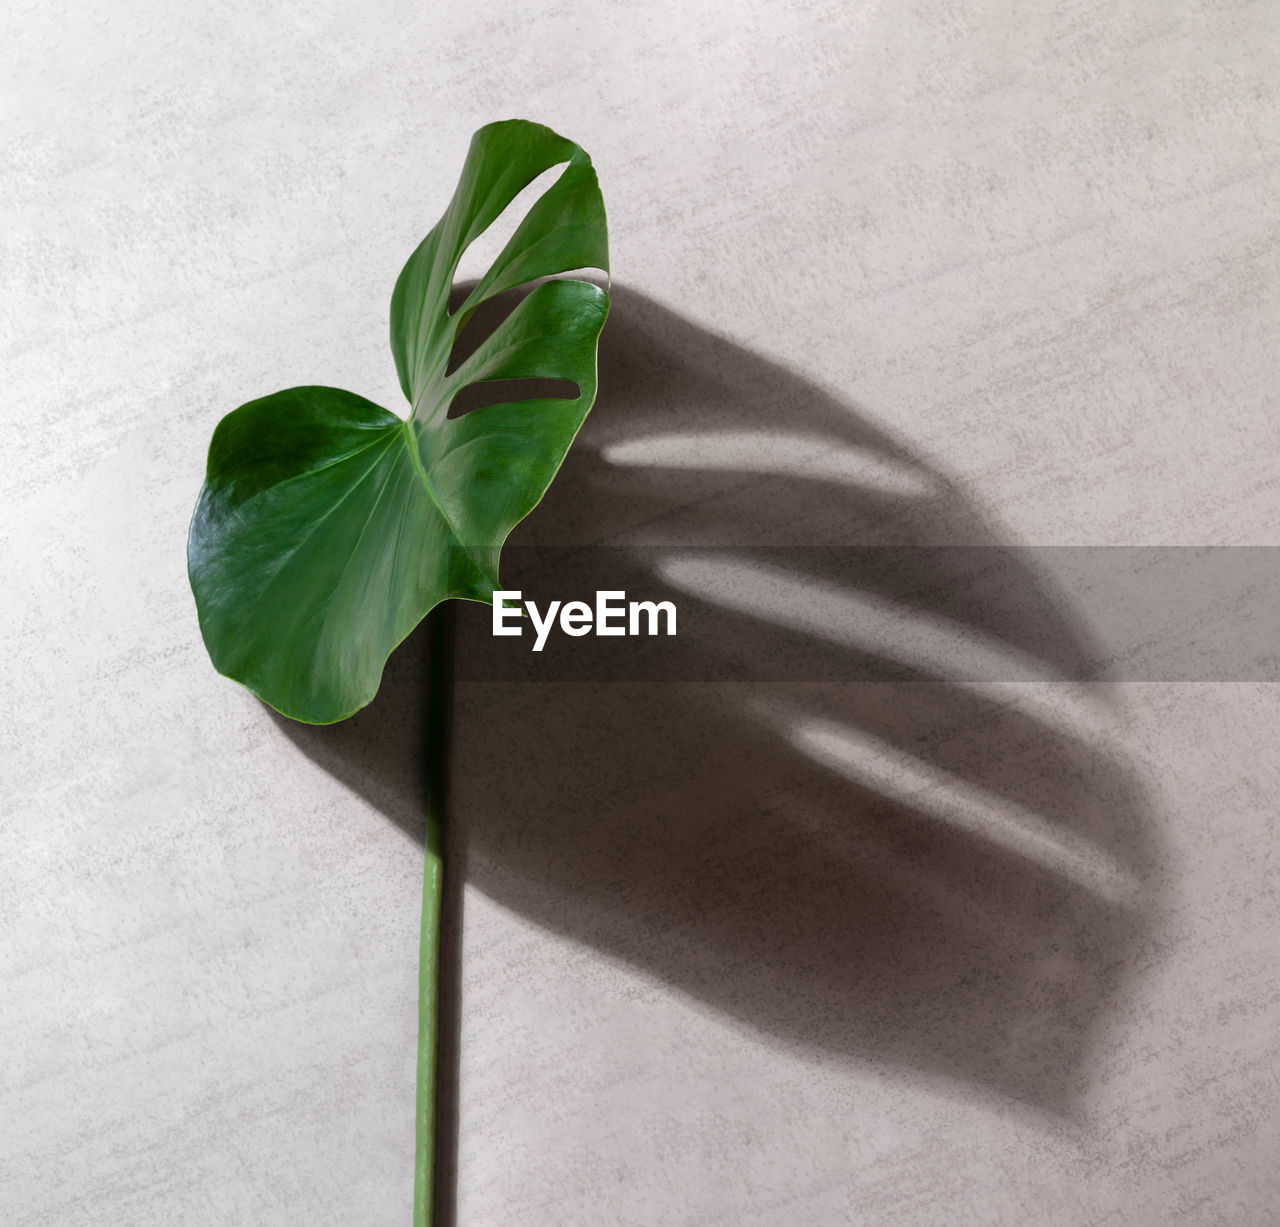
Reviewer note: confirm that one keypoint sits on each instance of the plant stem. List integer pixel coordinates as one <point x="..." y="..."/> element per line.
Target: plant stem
<point x="439" y="705"/>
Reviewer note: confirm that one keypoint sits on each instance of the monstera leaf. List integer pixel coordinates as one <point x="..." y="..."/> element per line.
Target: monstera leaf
<point x="328" y="527"/>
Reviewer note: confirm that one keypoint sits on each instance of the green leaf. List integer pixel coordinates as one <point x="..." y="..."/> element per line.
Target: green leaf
<point x="327" y="527"/>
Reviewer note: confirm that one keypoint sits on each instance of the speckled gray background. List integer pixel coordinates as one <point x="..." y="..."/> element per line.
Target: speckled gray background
<point x="925" y="954"/>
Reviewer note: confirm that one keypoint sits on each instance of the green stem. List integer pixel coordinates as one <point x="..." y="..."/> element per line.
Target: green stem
<point x="439" y="703"/>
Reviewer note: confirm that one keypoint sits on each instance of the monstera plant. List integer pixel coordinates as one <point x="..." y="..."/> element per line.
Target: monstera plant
<point x="328" y="527"/>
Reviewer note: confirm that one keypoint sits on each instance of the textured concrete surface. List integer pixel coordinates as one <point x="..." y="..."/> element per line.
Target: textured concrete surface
<point x="757" y="954"/>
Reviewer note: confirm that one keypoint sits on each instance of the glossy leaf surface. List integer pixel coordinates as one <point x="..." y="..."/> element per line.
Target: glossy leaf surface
<point x="328" y="527"/>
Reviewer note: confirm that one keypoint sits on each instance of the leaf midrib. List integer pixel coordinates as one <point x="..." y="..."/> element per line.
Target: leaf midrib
<point x="415" y="458"/>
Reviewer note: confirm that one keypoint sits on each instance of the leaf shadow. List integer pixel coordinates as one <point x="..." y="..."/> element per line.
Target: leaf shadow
<point x="746" y="843"/>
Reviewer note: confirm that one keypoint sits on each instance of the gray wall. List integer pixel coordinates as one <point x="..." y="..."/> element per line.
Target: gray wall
<point x="806" y="954"/>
